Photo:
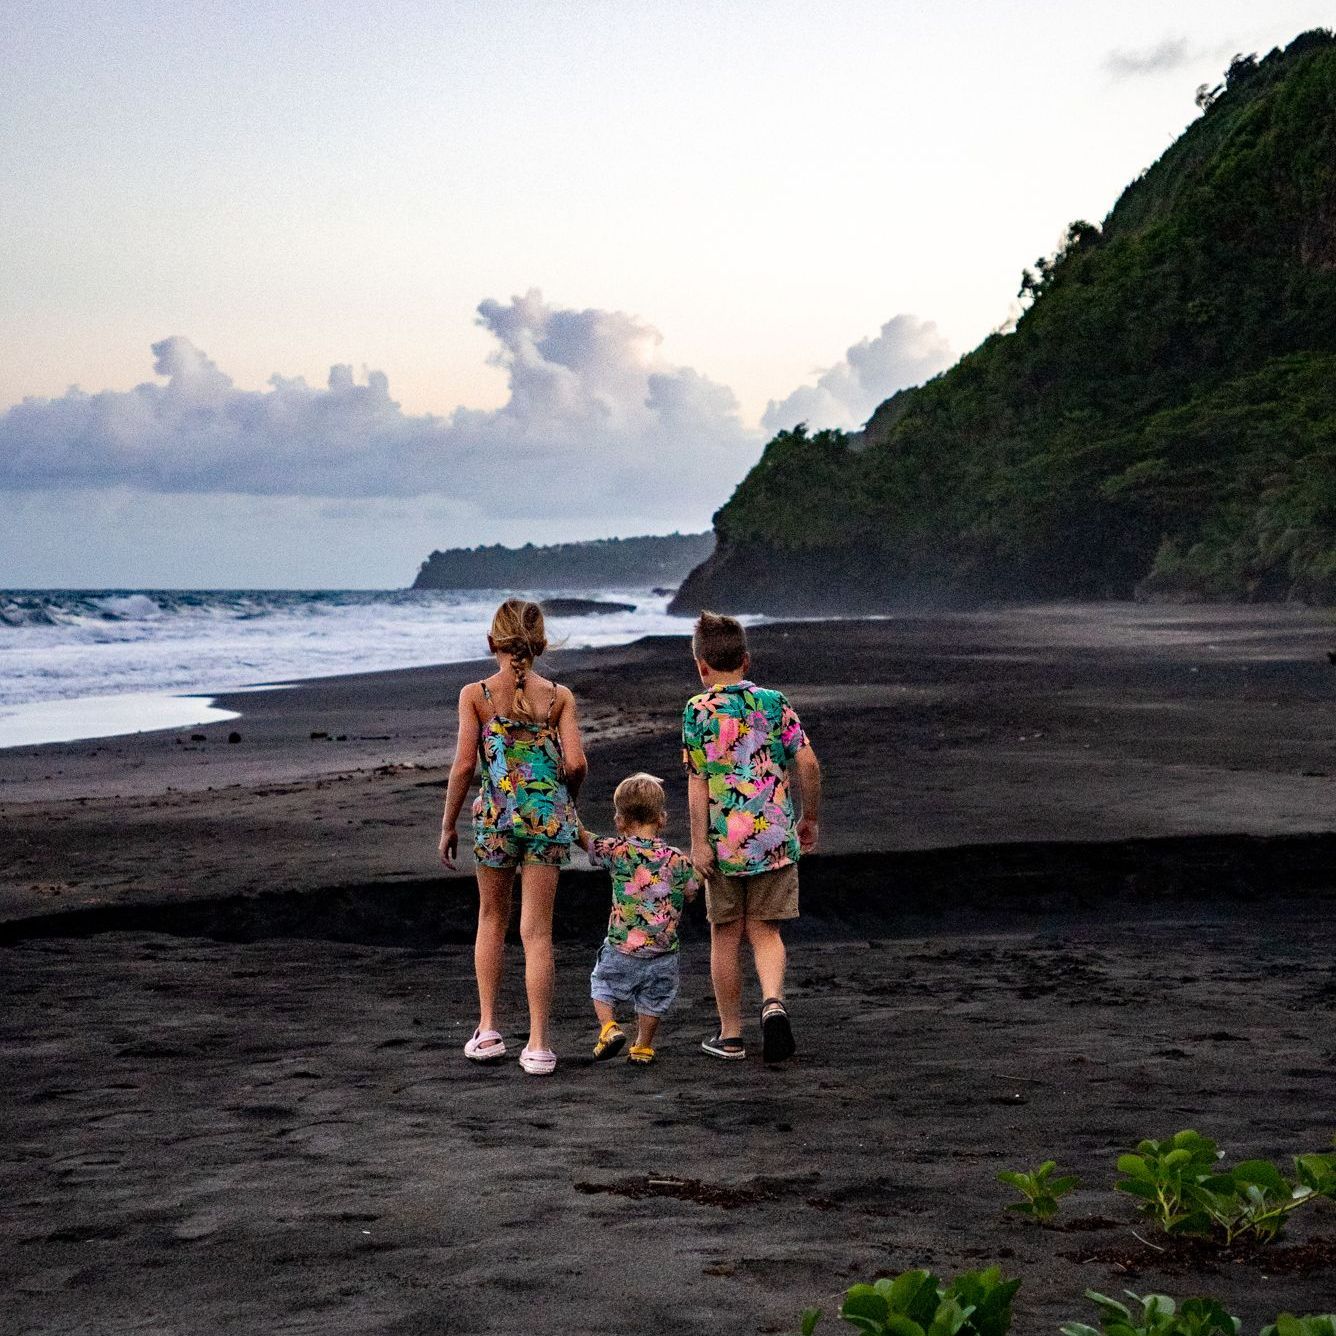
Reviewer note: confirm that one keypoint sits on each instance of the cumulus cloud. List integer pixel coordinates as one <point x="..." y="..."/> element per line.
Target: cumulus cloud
<point x="1170" y="54"/>
<point x="593" y="412"/>
<point x="189" y="478"/>
<point x="907" y="352"/>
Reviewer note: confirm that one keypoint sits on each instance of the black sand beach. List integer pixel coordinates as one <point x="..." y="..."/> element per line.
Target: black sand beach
<point x="1076" y="889"/>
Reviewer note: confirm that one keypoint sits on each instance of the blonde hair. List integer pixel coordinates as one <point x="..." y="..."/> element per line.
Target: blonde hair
<point x="518" y="630"/>
<point x="639" y="799"/>
<point x="719" y="641"/>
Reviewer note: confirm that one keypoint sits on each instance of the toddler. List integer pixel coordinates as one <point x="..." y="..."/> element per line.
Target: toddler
<point x="638" y="962"/>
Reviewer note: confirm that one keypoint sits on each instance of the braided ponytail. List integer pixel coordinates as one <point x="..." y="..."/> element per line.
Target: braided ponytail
<point x="520" y="663"/>
<point x="518" y="630"/>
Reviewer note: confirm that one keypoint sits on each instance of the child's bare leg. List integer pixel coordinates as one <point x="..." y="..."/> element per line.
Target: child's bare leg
<point x="726" y="974"/>
<point x="646" y="1027"/>
<point x="605" y="1012"/>
<point x="494" y="886"/>
<point x="768" y="950"/>
<point x="539" y="890"/>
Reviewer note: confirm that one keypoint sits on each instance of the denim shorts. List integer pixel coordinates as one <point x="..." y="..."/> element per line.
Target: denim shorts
<point x="648" y="982"/>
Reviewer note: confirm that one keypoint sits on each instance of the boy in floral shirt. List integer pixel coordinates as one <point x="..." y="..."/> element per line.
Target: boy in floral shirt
<point x="650" y="882"/>
<point x="739" y="744"/>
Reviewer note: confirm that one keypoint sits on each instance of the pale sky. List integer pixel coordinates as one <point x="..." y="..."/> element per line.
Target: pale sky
<point x="268" y="189"/>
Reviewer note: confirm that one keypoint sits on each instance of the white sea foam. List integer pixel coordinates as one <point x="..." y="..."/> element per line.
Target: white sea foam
<point x="130" y="607"/>
<point x="104" y="717"/>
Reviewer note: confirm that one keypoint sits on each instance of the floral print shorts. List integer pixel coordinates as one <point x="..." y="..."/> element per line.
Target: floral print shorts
<point x="507" y="848"/>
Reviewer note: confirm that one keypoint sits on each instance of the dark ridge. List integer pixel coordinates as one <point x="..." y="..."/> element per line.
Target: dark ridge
<point x="653" y="559"/>
<point x="583" y="607"/>
<point x="865" y="894"/>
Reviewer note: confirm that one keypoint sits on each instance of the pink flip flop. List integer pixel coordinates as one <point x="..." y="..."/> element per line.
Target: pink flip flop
<point x="485" y="1046"/>
<point x="538" y="1061"/>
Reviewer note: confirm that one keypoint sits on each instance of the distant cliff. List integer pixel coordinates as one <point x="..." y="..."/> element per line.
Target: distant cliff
<point x="604" y="563"/>
<point x="1161" y="422"/>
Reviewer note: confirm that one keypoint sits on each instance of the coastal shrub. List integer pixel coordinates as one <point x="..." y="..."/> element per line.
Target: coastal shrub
<point x="1315" y="1324"/>
<point x="915" y="1303"/>
<point x="1252" y="1200"/>
<point x="1182" y="1189"/>
<point x="1040" y="1190"/>
<point x="1162" y="1176"/>
<point x="1159" y="1315"/>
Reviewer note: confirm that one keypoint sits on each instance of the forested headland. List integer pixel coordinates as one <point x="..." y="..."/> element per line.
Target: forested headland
<point x="1160" y="422"/>
<point x="606" y="563"/>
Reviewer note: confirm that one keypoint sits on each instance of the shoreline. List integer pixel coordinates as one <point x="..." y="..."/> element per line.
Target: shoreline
<point x="31" y="723"/>
<point x="164" y="701"/>
<point x="1069" y="722"/>
<point x="107" y="663"/>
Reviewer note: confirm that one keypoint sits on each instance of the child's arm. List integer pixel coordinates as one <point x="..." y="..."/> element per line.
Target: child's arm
<point x="689" y="880"/>
<point x="461" y="776"/>
<point x="698" y="804"/>
<point x="809" y="790"/>
<point x="574" y="765"/>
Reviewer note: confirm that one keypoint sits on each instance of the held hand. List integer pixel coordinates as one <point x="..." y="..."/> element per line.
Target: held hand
<point x="449" y="846"/>
<point x="808" y="834"/>
<point x="702" y="858"/>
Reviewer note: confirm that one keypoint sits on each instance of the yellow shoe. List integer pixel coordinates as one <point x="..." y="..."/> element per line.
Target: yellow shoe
<point x="641" y="1054"/>
<point x="610" y="1040"/>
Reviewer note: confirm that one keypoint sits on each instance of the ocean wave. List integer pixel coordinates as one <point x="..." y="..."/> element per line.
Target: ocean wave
<point x="129" y="607"/>
<point x="16" y="614"/>
<point x="67" y="644"/>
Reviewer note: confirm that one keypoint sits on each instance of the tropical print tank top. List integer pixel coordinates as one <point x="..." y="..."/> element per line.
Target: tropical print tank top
<point x="523" y="790"/>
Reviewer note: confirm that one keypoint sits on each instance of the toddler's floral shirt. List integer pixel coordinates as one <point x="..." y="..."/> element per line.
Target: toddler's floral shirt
<point x="650" y="883"/>
<point x="741" y="739"/>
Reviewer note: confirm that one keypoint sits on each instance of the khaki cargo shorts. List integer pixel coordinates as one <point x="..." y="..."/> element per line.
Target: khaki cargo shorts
<point x="765" y="895"/>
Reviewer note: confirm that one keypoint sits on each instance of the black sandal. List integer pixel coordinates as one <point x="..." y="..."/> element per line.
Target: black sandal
<point x="776" y="1033"/>
<point x="730" y="1049"/>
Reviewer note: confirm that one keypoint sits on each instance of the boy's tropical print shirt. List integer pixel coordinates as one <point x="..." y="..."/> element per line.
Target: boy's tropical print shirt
<point x="650" y="883"/>
<point x="523" y="791"/>
<point x="741" y="739"/>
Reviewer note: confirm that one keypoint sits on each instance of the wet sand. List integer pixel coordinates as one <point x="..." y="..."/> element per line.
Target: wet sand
<point x="278" y="1133"/>
<point x="1084" y="724"/>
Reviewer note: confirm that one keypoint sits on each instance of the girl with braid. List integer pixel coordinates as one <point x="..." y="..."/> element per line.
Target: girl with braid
<point x="525" y="731"/>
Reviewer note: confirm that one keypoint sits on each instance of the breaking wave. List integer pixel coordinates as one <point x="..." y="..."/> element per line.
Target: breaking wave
<point x="67" y="644"/>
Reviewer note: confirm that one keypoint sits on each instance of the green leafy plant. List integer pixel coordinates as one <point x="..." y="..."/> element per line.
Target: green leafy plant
<point x="915" y="1303"/>
<point x="1315" y="1324"/>
<point x="1252" y="1200"/>
<point x="1183" y="1189"/>
<point x="1159" y="1316"/>
<point x="1040" y="1190"/>
<point x="1162" y="1176"/>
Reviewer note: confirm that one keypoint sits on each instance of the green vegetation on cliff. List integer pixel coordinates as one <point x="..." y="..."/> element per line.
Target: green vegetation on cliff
<point x="1162" y="418"/>
<point x="604" y="563"/>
